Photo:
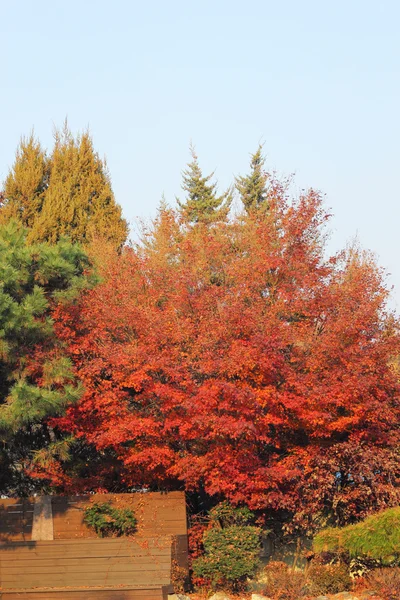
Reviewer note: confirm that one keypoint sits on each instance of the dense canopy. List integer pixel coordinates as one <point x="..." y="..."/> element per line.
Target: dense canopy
<point x="236" y="359"/>
<point x="226" y="354"/>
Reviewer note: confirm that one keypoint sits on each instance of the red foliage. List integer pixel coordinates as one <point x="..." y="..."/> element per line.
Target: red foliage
<point x="384" y="582"/>
<point x="237" y="358"/>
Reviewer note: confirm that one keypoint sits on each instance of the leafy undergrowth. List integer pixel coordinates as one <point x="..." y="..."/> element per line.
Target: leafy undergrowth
<point x="284" y="583"/>
<point x="385" y="582"/>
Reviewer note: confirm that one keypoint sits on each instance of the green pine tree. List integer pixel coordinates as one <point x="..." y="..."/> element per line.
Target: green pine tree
<point x="36" y="378"/>
<point x="79" y="202"/>
<point x="202" y="204"/>
<point x="26" y="183"/>
<point x="253" y="187"/>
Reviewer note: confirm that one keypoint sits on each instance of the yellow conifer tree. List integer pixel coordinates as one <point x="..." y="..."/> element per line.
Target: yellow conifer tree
<point x="68" y="194"/>
<point x="26" y="183"/>
<point x="79" y="202"/>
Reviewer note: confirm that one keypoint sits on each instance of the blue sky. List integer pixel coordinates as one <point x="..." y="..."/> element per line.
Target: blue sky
<point x="318" y="82"/>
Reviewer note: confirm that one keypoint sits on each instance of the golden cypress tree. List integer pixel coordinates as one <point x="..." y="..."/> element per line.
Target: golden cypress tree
<point x="26" y="183"/>
<point x="79" y="201"/>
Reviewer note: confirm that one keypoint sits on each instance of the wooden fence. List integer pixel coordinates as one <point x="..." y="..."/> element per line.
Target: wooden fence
<point x="75" y="564"/>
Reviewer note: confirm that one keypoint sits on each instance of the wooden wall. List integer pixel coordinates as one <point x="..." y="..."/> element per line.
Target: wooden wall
<point x="86" y="563"/>
<point x="16" y="517"/>
<point x="77" y="565"/>
<point x="81" y="594"/>
<point x="157" y="514"/>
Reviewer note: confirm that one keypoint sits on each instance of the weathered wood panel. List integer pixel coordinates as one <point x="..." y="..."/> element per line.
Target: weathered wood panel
<point x="77" y="565"/>
<point x="100" y="594"/>
<point x="16" y="518"/>
<point x="84" y="563"/>
<point x="157" y="514"/>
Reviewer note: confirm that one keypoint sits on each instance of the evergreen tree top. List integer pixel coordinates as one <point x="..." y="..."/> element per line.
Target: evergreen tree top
<point x="67" y="194"/>
<point x="26" y="183"/>
<point x="253" y="187"/>
<point x="202" y="204"/>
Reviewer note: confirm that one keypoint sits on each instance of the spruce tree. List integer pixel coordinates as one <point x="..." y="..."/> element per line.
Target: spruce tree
<point x="79" y="202"/>
<point x="26" y="183"/>
<point x="202" y="204"/>
<point x="253" y="187"/>
<point x="36" y="377"/>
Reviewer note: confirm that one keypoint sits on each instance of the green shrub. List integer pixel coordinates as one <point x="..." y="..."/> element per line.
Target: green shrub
<point x="109" y="521"/>
<point x="284" y="583"/>
<point x="226" y="515"/>
<point x="231" y="556"/>
<point x="328" y="579"/>
<point x="377" y="537"/>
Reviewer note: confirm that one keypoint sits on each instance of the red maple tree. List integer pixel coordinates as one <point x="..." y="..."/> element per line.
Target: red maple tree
<point x="236" y="359"/>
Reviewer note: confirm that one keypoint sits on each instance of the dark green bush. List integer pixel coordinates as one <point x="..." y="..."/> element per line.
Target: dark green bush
<point x="109" y="521"/>
<point x="231" y="556"/>
<point x="226" y="515"/>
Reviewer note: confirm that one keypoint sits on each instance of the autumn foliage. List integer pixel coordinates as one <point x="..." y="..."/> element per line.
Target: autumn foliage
<point x="236" y="359"/>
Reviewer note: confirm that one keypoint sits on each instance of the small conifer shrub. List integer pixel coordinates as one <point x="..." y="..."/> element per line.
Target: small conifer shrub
<point x="231" y="549"/>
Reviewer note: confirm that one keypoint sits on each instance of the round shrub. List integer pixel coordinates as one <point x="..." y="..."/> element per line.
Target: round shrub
<point x="226" y="515"/>
<point x="231" y="556"/>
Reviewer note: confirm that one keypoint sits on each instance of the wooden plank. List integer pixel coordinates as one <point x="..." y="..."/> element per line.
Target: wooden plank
<point x="79" y="549"/>
<point x="83" y="547"/>
<point x="82" y="594"/>
<point x="146" y="579"/>
<point x="88" y="551"/>
<point x="143" y="579"/>
<point x="45" y="563"/>
<point x="100" y="542"/>
<point x="72" y="588"/>
<point x="84" y="567"/>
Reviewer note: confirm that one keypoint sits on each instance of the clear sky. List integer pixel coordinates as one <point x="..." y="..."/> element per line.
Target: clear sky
<point x="318" y="82"/>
